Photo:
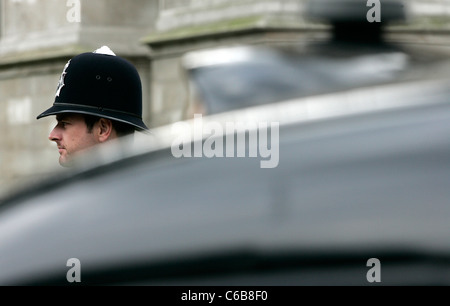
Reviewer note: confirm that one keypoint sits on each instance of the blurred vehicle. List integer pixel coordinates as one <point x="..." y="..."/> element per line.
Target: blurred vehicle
<point x="355" y="55"/>
<point x="362" y="174"/>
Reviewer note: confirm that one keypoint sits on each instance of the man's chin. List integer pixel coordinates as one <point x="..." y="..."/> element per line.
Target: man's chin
<point x="65" y="161"/>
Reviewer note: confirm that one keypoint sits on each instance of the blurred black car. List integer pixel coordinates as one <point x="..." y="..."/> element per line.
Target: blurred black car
<point x="362" y="174"/>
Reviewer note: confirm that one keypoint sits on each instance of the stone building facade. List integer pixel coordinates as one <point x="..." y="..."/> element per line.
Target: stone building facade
<point x="37" y="37"/>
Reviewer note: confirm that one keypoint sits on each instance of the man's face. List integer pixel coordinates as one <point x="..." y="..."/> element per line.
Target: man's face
<point x="71" y="135"/>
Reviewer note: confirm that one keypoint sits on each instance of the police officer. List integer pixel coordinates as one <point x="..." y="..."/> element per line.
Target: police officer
<point x="98" y="98"/>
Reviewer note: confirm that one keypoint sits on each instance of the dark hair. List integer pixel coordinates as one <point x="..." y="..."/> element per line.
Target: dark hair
<point x="122" y="129"/>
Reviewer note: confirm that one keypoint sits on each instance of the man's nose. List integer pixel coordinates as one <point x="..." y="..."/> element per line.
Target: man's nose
<point x="54" y="135"/>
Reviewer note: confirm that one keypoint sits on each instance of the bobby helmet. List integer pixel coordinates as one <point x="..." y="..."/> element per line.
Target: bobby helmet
<point x="102" y="84"/>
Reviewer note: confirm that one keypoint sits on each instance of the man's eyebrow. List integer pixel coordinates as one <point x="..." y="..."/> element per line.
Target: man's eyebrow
<point x="60" y="117"/>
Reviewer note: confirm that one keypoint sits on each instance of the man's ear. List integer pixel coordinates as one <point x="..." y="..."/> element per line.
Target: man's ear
<point x="105" y="129"/>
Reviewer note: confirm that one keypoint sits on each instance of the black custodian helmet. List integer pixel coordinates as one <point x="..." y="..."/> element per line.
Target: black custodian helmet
<point x="102" y="84"/>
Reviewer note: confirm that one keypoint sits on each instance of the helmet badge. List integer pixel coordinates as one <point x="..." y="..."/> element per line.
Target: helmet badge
<point x="61" y="80"/>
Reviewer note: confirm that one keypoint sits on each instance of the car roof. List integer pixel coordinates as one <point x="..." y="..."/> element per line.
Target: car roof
<point x="237" y="77"/>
